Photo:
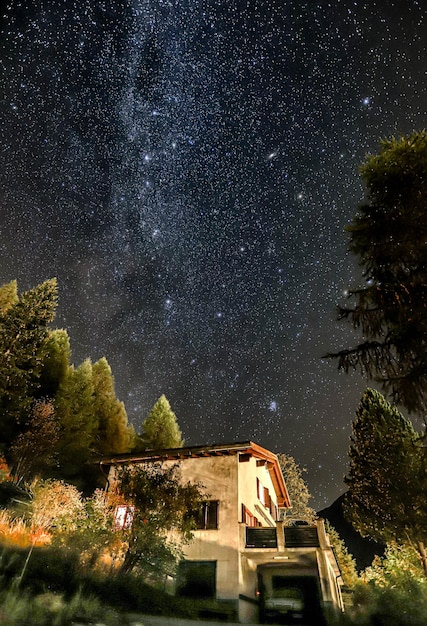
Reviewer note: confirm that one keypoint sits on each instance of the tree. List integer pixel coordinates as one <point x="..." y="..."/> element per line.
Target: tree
<point x="346" y="562"/>
<point x="297" y="488"/>
<point x="389" y="237"/>
<point x="387" y="477"/>
<point x="23" y="336"/>
<point x="398" y="564"/>
<point x="55" y="506"/>
<point x="55" y="363"/>
<point x="114" y="433"/>
<point x="35" y="451"/>
<point x="160" y="430"/>
<point x="392" y="590"/>
<point x="75" y="524"/>
<point x="74" y="404"/>
<point x="8" y="296"/>
<point x="163" y="515"/>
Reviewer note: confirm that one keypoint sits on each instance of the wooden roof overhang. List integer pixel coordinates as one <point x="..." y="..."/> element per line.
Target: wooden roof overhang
<point x="177" y="454"/>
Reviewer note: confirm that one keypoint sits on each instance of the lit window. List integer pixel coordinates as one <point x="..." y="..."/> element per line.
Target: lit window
<point x="123" y="517"/>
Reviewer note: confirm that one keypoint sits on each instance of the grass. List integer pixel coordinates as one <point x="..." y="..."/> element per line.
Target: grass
<point x="51" y="609"/>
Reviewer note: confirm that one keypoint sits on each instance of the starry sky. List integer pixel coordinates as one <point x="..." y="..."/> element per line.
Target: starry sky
<point x="186" y="169"/>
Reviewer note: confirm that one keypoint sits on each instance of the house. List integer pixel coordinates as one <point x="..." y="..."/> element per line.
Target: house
<point x="242" y="553"/>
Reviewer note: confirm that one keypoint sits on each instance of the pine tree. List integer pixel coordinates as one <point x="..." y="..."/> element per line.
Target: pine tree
<point x="55" y="363"/>
<point x="114" y="433"/>
<point x="387" y="475"/>
<point x="160" y="430"/>
<point x="23" y="338"/>
<point x="389" y="237"/>
<point x="75" y="408"/>
<point x="8" y="296"/>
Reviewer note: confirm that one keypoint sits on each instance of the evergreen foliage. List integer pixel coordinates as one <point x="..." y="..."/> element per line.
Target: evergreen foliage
<point x="56" y="362"/>
<point x="8" y="296"/>
<point x="74" y="404"/>
<point x="389" y="237"/>
<point x="114" y="433"/>
<point x="160" y="430"/>
<point x="92" y="420"/>
<point x="34" y="451"/>
<point x="23" y="342"/>
<point x="297" y="488"/>
<point x="387" y="476"/>
<point x="346" y="562"/>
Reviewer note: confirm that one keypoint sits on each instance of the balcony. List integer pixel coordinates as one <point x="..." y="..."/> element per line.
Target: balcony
<point x="286" y="536"/>
<point x="261" y="538"/>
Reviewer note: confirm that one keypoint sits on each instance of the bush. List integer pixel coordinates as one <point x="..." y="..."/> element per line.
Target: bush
<point x="53" y="570"/>
<point x="129" y="593"/>
<point x="405" y="605"/>
<point x="47" y="569"/>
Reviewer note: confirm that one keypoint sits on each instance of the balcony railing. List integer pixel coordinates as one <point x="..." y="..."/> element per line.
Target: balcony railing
<point x="261" y="538"/>
<point x="293" y="536"/>
<point x="301" y="537"/>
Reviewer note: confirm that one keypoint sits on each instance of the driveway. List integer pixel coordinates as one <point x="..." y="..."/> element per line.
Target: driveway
<point x="155" y="620"/>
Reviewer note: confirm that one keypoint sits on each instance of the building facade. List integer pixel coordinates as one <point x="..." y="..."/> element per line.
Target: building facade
<point x="242" y="551"/>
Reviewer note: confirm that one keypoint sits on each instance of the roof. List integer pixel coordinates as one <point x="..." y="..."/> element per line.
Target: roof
<point x="177" y="454"/>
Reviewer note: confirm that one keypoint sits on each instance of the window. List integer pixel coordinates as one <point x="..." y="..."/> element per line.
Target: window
<point x="196" y="579"/>
<point x="207" y="518"/>
<point x="267" y="500"/>
<point x="263" y="495"/>
<point x="123" y="517"/>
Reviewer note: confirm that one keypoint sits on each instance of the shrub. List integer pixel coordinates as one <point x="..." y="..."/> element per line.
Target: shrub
<point x="404" y="605"/>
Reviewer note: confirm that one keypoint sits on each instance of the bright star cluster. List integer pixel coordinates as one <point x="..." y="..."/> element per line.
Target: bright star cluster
<point x="187" y="170"/>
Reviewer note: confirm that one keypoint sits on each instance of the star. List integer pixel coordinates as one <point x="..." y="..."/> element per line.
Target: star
<point x="188" y="177"/>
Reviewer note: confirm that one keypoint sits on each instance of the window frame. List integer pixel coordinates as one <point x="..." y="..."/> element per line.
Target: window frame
<point x="123" y="516"/>
<point x="209" y="516"/>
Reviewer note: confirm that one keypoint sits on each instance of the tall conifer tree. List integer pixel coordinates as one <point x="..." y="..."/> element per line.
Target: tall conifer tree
<point x="114" y="432"/>
<point x="389" y="237"/>
<point x="78" y="422"/>
<point x="160" y="429"/>
<point x="23" y="336"/>
<point x="55" y="363"/>
<point x="387" y="477"/>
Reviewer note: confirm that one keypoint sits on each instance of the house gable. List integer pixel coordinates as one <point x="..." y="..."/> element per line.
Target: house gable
<point x="244" y="451"/>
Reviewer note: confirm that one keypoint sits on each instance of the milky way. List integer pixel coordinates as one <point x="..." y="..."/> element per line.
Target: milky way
<point x="187" y="169"/>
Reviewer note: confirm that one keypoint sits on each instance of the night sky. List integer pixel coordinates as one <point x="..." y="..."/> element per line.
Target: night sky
<point x="186" y="169"/>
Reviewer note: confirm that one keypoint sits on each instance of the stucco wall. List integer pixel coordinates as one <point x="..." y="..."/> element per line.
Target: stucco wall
<point x="232" y="480"/>
<point x="248" y="474"/>
<point x="219" y="476"/>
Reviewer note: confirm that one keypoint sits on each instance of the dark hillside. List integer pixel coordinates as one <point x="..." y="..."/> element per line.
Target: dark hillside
<point x="363" y="550"/>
